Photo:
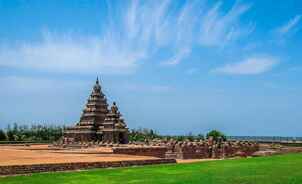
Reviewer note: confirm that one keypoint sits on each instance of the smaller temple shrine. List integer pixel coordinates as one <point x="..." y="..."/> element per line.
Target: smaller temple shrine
<point x="113" y="129"/>
<point x="97" y="123"/>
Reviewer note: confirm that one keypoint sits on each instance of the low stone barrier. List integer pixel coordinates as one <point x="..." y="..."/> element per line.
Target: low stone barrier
<point x="191" y="150"/>
<point x="208" y="149"/>
<point x="26" y="169"/>
<point x="141" y="151"/>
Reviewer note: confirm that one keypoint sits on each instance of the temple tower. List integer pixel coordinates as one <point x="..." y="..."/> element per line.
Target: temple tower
<point x="92" y="117"/>
<point x="97" y="123"/>
<point x="114" y="128"/>
<point x="96" y="108"/>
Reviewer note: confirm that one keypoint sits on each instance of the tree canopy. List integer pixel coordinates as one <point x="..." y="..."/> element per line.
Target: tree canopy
<point x="216" y="135"/>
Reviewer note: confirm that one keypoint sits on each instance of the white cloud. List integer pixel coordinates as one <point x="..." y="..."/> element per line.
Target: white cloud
<point x="249" y="66"/>
<point x="132" y="35"/>
<point x="67" y="54"/>
<point x="290" y="25"/>
<point x="178" y="57"/>
<point x="218" y="29"/>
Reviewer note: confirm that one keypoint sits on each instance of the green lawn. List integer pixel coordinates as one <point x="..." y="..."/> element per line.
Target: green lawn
<point x="285" y="169"/>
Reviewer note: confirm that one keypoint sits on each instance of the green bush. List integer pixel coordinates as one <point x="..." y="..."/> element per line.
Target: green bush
<point x="34" y="133"/>
<point x="216" y="135"/>
<point x="142" y="134"/>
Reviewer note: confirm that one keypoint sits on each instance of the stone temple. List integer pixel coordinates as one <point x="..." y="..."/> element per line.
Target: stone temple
<point x="97" y="123"/>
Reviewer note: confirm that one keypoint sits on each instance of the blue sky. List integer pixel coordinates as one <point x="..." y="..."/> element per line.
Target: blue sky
<point x="173" y="66"/>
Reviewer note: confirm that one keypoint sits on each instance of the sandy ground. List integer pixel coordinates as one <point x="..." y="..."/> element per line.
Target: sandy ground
<point x="38" y="154"/>
<point x="42" y="154"/>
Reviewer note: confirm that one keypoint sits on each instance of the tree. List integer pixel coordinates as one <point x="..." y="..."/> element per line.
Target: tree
<point x="10" y="134"/>
<point x="142" y="134"/>
<point x="216" y="135"/>
<point x="3" y="136"/>
<point x="34" y="133"/>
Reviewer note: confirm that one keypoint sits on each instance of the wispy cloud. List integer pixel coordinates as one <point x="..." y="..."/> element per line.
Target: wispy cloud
<point x="133" y="34"/>
<point x="249" y="66"/>
<point x="178" y="57"/>
<point x="67" y="54"/>
<point x="289" y="26"/>
<point x="218" y="29"/>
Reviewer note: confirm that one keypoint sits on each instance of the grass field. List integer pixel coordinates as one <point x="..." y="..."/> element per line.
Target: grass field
<point x="285" y="169"/>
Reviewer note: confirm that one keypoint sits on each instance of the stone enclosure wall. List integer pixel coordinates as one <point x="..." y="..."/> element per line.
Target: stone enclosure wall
<point x="200" y="149"/>
<point x="181" y="149"/>
<point x="25" y="169"/>
<point x="141" y="151"/>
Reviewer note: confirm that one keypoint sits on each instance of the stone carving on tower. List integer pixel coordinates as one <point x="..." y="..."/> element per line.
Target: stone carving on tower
<point x="97" y="123"/>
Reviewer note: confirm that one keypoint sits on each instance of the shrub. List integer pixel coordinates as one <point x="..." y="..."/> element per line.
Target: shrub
<point x="34" y="133"/>
<point x="216" y="135"/>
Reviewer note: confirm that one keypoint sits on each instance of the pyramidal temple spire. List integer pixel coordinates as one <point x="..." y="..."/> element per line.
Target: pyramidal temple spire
<point x="93" y="126"/>
<point x="97" y="80"/>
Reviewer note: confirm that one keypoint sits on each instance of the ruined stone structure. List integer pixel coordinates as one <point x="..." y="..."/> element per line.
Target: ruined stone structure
<point x="208" y="149"/>
<point x="97" y="123"/>
<point x="202" y="149"/>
